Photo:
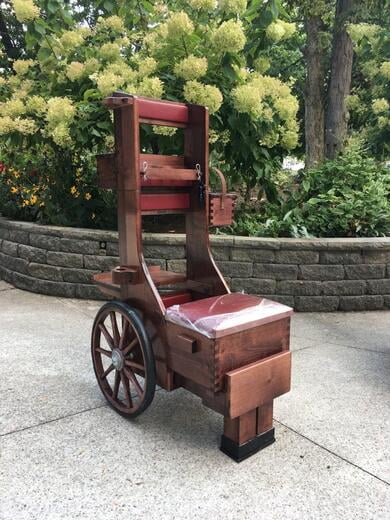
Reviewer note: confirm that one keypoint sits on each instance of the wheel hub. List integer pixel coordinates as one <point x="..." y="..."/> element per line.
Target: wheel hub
<point x="117" y="359"/>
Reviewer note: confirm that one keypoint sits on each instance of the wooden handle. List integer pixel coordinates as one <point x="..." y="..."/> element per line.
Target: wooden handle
<point x="223" y="186"/>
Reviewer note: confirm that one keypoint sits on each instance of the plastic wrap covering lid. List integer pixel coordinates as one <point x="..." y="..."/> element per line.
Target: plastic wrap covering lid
<point x="222" y="315"/>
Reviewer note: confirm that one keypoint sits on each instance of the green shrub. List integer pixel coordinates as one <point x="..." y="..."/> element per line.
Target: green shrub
<point x="349" y="196"/>
<point x="74" y="54"/>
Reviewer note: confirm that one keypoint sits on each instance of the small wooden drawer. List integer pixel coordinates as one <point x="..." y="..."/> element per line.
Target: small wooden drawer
<point x="258" y="383"/>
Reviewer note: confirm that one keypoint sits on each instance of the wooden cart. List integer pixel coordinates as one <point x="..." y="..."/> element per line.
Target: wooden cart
<point x="182" y="330"/>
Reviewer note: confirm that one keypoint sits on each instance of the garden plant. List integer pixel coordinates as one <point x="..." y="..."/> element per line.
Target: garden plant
<point x="251" y="62"/>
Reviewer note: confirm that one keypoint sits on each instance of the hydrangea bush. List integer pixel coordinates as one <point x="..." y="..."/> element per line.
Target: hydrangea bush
<point x="52" y="122"/>
<point x="369" y="102"/>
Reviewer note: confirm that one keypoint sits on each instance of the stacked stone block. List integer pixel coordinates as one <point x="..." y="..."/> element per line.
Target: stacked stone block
<point x="308" y="274"/>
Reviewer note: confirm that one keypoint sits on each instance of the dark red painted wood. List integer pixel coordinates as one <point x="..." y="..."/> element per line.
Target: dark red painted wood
<point x="165" y="182"/>
<point x="162" y="110"/>
<point x="176" y="299"/>
<point x="164" y="201"/>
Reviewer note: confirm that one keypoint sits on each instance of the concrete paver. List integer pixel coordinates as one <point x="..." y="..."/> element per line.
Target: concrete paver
<point x="64" y="454"/>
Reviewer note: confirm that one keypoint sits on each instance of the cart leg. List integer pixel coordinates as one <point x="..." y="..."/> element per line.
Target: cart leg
<point x="249" y="433"/>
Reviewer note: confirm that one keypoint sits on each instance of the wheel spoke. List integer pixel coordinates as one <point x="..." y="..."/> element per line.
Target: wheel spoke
<point x="130" y="346"/>
<point x="131" y="376"/>
<point x="106" y="372"/>
<point x="126" y="387"/>
<point x="125" y="331"/>
<point x="102" y="351"/>
<point x="106" y="334"/>
<point x="115" y="330"/>
<point x="116" y="384"/>
<point x="133" y="364"/>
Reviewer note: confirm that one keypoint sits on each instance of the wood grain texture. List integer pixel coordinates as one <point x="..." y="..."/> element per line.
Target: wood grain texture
<point x="265" y="417"/>
<point x="183" y="358"/>
<point x="258" y="383"/>
<point x="164" y="201"/>
<point x="241" y="429"/>
<point x="245" y="347"/>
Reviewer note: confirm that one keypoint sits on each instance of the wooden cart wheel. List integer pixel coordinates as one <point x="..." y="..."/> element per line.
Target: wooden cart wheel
<point x="123" y="359"/>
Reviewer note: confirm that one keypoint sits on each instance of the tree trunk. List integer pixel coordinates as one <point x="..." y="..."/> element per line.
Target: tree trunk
<point x="314" y="88"/>
<point x="340" y="81"/>
<point x="9" y="47"/>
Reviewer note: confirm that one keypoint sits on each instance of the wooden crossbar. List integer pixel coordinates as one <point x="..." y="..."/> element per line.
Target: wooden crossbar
<point x="152" y="111"/>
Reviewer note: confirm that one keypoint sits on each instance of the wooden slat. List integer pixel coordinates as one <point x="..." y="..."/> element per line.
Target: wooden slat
<point x="158" y="276"/>
<point x="161" y="122"/>
<point x="164" y="111"/>
<point x="250" y="345"/>
<point x="258" y="383"/>
<point x="154" y="212"/>
<point x="167" y="277"/>
<point x="176" y="161"/>
<point x="104" y="281"/>
<point x="169" y="183"/>
<point x="176" y="298"/>
<point x="152" y="111"/>
<point x="117" y="101"/>
<point x="182" y="174"/>
<point x="164" y="201"/>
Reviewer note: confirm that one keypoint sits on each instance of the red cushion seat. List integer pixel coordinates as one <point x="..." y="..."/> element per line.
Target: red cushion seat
<point x="222" y="315"/>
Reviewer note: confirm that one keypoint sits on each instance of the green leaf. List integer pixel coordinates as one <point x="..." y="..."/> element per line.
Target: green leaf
<point x="44" y="54"/>
<point x="39" y="26"/>
<point x="88" y="94"/>
<point x="108" y="5"/>
<point x="52" y="6"/>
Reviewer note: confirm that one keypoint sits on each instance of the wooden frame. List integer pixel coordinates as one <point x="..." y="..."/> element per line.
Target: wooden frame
<point x="236" y="372"/>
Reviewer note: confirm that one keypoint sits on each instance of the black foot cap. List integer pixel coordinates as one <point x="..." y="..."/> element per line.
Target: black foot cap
<point x="239" y="452"/>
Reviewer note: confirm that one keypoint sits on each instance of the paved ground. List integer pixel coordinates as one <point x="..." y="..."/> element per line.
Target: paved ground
<point x="66" y="455"/>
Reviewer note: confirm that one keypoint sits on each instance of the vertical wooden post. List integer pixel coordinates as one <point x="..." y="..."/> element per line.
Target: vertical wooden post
<point x="251" y="432"/>
<point x="200" y="263"/>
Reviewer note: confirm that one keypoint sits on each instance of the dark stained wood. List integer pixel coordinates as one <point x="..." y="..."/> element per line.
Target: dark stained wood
<point x="241" y="429"/>
<point x="200" y="263"/>
<point x="221" y="204"/>
<point x="106" y="170"/>
<point x="186" y="343"/>
<point x="161" y="122"/>
<point x="221" y="214"/>
<point x="164" y="111"/>
<point x="179" y="174"/>
<point x="123" y="274"/>
<point x="167" y="277"/>
<point x="238" y="372"/>
<point x="174" y="161"/>
<point x="258" y="383"/>
<point x="125" y="343"/>
<point x="176" y="298"/>
<point x="245" y="347"/>
<point x="198" y="366"/>
<point x="265" y="417"/>
<point x="164" y="201"/>
<point x="159" y="277"/>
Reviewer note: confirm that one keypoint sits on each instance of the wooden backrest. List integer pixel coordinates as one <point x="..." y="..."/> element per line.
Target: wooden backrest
<point x="123" y="171"/>
<point x="167" y="113"/>
<point x="155" y="171"/>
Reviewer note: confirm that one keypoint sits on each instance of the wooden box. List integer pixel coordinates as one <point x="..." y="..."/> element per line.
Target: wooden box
<point x="206" y="361"/>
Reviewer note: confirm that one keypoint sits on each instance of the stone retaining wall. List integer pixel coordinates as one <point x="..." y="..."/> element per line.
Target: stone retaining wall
<point x="308" y="274"/>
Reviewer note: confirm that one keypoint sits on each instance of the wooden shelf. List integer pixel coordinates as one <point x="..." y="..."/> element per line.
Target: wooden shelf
<point x="167" y="277"/>
<point x="104" y="281"/>
<point x="159" y="277"/>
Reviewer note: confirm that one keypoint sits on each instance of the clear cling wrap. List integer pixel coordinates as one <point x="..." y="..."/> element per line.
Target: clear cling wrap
<point x="222" y="315"/>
